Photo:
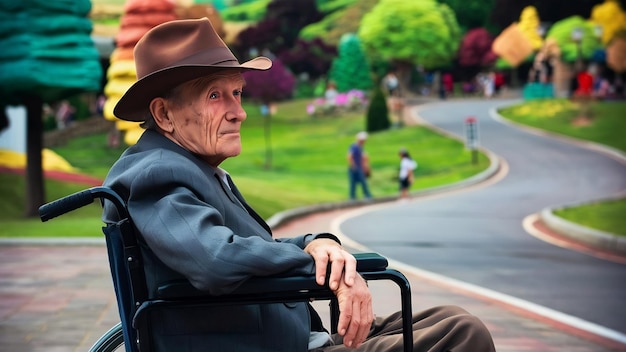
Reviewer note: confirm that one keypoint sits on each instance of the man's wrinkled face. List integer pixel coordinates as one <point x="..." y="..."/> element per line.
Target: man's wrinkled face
<point x="206" y="116"/>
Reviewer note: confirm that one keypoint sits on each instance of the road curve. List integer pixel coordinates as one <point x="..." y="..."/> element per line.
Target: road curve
<point x="476" y="235"/>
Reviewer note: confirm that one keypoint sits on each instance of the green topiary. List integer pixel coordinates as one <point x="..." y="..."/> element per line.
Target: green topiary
<point x="350" y="70"/>
<point x="377" y="113"/>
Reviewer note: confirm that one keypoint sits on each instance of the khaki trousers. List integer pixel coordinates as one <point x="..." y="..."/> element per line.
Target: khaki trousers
<point x="445" y="328"/>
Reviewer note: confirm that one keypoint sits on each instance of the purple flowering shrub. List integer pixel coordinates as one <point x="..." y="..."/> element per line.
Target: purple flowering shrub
<point x="273" y="85"/>
<point x="352" y="100"/>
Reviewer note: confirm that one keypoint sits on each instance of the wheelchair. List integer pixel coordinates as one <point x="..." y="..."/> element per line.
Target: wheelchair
<point x="132" y="333"/>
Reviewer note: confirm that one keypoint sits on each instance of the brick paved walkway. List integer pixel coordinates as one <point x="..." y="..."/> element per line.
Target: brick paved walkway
<point x="60" y="298"/>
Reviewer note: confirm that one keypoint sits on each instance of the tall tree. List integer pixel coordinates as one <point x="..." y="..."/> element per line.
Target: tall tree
<point x="571" y="50"/>
<point x="51" y="57"/>
<point x="338" y="22"/>
<point x="409" y="33"/>
<point x="471" y="13"/>
<point x="350" y="70"/>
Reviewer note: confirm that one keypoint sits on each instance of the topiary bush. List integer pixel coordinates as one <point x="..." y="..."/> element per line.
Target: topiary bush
<point x="350" y="70"/>
<point x="377" y="113"/>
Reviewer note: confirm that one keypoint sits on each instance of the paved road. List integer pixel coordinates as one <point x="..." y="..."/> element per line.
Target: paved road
<point x="477" y="236"/>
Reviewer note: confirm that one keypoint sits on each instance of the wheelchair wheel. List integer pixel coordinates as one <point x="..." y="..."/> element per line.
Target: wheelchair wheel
<point x="111" y="341"/>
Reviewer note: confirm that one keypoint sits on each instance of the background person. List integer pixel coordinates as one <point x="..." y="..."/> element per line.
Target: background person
<point x="194" y="224"/>
<point x="64" y="114"/>
<point x="330" y="97"/>
<point x="406" y="176"/>
<point x="391" y="83"/>
<point x="358" y="166"/>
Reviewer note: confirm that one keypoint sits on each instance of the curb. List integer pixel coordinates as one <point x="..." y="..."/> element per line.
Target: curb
<point x="292" y="214"/>
<point x="595" y="238"/>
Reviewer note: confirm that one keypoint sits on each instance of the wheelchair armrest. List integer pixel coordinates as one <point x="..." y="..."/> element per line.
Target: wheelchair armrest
<point x="253" y="286"/>
<point x="366" y="262"/>
<point x="259" y="290"/>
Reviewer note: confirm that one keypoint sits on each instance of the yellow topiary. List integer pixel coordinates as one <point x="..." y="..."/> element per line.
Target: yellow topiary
<point x="529" y="25"/>
<point x="610" y="17"/>
<point x="51" y="161"/>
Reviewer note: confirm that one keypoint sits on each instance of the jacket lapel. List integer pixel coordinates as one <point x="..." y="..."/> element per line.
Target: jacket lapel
<point x="155" y="139"/>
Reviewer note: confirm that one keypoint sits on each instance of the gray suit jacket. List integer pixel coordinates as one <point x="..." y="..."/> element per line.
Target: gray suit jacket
<point x="193" y="226"/>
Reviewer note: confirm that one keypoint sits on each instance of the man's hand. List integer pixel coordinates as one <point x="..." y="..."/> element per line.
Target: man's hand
<point x="343" y="264"/>
<point x="355" y="312"/>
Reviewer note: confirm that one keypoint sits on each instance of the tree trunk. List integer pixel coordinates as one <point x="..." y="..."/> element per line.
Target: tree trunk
<point x="268" y="140"/>
<point x="4" y="119"/>
<point x="34" y="146"/>
<point x="514" y="77"/>
<point x="403" y="70"/>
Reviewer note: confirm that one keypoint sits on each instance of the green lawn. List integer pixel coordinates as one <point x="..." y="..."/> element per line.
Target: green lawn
<point x="82" y="222"/>
<point x="606" y="125"/>
<point x="308" y="167"/>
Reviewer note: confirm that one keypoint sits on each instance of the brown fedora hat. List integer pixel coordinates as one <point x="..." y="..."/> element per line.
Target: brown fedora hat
<point x="173" y="53"/>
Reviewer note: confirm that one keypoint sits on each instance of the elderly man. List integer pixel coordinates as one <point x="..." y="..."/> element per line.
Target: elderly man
<point x="194" y="224"/>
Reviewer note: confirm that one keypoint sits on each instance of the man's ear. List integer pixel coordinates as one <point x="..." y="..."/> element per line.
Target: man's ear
<point x="158" y="108"/>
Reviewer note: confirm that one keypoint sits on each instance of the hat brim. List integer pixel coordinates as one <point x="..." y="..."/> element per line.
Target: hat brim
<point x="133" y="106"/>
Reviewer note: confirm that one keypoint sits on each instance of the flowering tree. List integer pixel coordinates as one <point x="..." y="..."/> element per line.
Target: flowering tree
<point x="267" y="87"/>
<point x="312" y="57"/>
<point x="475" y="49"/>
<point x="279" y="29"/>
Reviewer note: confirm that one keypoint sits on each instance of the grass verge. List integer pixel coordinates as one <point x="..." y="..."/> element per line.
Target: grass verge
<point x="604" y="216"/>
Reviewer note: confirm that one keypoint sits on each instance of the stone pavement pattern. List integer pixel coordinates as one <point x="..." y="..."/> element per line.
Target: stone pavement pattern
<point x="60" y="298"/>
<point x="54" y="298"/>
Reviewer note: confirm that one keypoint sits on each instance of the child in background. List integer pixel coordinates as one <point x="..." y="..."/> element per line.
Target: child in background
<point x="405" y="177"/>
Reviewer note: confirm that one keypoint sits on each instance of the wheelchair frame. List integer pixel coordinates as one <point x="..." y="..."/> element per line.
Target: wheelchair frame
<point x="131" y="293"/>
